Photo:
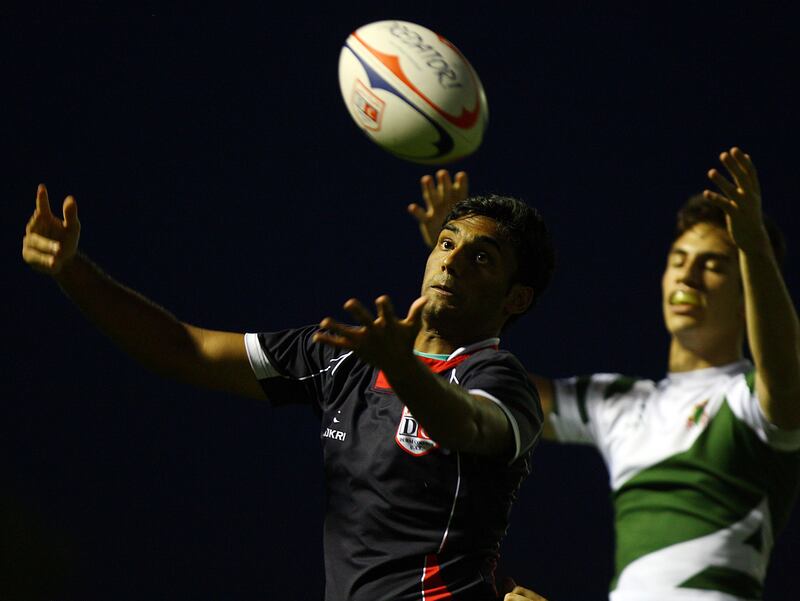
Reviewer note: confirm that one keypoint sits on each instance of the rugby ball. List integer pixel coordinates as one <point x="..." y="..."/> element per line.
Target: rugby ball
<point x="412" y="92"/>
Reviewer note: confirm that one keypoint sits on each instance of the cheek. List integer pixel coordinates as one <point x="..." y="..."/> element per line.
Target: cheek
<point x="664" y="282"/>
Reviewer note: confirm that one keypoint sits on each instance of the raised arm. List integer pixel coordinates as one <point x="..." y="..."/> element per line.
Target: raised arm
<point x="439" y="199"/>
<point x="773" y="332"/>
<point x="149" y="333"/>
<point x="453" y="417"/>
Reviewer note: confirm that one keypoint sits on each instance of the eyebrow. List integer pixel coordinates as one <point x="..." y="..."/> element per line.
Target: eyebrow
<point x="483" y="238"/>
<point x="705" y="255"/>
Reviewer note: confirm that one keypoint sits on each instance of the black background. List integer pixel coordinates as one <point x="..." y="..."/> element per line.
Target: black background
<point x="218" y="172"/>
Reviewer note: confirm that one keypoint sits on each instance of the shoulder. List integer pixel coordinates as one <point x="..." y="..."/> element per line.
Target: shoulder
<point x="611" y="387"/>
<point x="492" y="360"/>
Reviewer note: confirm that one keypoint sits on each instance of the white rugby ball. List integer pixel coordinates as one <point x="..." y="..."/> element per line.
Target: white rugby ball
<point x="412" y="92"/>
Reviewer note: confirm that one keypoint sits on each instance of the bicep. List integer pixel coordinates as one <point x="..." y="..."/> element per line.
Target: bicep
<point x="494" y="434"/>
<point x="222" y="362"/>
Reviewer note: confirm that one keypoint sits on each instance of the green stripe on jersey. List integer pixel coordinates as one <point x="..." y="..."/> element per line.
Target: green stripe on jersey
<point x="750" y="378"/>
<point x="619" y="386"/>
<point x="710" y="486"/>
<point x="733" y="582"/>
<point x="581" y="387"/>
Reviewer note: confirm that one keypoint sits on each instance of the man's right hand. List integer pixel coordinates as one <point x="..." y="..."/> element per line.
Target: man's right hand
<point x="439" y="200"/>
<point x="50" y="243"/>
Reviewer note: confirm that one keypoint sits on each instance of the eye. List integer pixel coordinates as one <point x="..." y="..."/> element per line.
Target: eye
<point x="677" y="259"/>
<point x="714" y="265"/>
<point x="447" y="244"/>
<point x="482" y="258"/>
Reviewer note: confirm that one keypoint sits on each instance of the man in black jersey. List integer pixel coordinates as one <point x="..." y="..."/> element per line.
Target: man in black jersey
<point x="426" y="425"/>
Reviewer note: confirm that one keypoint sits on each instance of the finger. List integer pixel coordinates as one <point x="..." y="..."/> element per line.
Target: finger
<point x="417" y="212"/>
<point x="385" y="308"/>
<point x="751" y="168"/>
<point x="745" y="166"/>
<point x="428" y="190"/>
<point x="339" y="329"/>
<point x="461" y="185"/>
<point x="42" y="200"/>
<point x="37" y="258"/>
<point x="734" y="168"/>
<point x="41" y="243"/>
<point x="359" y="311"/>
<point x="720" y="201"/>
<point x="444" y="184"/>
<point x="70" y="211"/>
<point x="726" y="187"/>
<point x="332" y="340"/>
<point x="415" y="310"/>
<point x="34" y="222"/>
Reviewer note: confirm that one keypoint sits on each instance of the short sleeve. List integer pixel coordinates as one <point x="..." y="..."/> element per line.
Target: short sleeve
<point x="291" y="368"/>
<point x="743" y="401"/>
<point x="501" y="378"/>
<point x="585" y="408"/>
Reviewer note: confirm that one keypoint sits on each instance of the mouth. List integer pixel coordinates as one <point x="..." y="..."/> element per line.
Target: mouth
<point x="685" y="298"/>
<point x="443" y="289"/>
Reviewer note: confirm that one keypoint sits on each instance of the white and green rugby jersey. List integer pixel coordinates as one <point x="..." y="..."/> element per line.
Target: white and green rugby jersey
<point x="700" y="479"/>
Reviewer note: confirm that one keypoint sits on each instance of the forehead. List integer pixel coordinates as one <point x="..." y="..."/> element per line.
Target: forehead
<point x="481" y="229"/>
<point x="475" y="226"/>
<point x="704" y="238"/>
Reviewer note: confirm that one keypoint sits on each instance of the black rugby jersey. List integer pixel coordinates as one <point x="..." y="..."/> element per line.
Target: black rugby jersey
<point x="405" y="519"/>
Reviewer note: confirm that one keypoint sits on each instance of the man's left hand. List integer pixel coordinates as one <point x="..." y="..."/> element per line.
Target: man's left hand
<point x="740" y="200"/>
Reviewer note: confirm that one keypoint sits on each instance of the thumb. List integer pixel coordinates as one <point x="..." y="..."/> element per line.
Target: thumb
<point x="70" y="210"/>
<point x="415" y="311"/>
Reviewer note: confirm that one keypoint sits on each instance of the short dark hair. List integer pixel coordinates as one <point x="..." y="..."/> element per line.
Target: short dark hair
<point x="699" y="210"/>
<point x="522" y="226"/>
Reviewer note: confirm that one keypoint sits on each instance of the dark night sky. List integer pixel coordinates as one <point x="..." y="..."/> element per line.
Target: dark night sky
<point x="217" y="172"/>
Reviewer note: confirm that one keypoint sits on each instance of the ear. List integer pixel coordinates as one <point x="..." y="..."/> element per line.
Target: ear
<point x="518" y="299"/>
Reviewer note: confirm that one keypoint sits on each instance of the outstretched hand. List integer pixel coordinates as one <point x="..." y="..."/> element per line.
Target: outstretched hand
<point x="740" y="199"/>
<point x="381" y="341"/>
<point x="439" y="200"/>
<point x="50" y="242"/>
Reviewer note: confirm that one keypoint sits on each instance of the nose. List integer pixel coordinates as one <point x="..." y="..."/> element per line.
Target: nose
<point x="451" y="262"/>
<point x="689" y="273"/>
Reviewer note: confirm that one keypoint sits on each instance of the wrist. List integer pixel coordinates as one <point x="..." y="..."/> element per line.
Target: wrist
<point x="402" y="369"/>
<point x="758" y="244"/>
<point x="67" y="270"/>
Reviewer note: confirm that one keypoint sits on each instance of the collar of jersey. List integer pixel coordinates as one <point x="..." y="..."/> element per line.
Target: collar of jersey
<point x="697" y="375"/>
<point x="493" y="342"/>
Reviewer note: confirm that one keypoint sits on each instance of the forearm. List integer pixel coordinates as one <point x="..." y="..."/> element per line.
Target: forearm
<point x="147" y="332"/>
<point x="449" y="414"/>
<point x="773" y="335"/>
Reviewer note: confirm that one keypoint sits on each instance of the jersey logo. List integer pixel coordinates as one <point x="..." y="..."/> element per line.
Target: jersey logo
<point x="699" y="417"/>
<point x="333" y="432"/>
<point x="412" y="437"/>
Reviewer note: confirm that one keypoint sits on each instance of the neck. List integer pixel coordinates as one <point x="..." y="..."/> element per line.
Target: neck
<point x="687" y="355"/>
<point x="436" y="342"/>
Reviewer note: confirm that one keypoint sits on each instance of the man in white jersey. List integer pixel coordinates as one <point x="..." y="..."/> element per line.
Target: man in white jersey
<point x="705" y="464"/>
